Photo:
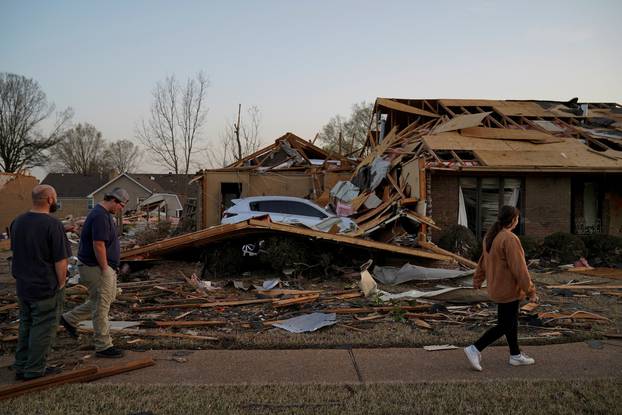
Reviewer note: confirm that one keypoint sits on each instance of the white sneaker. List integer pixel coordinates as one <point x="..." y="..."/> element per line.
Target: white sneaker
<point x="474" y="356"/>
<point x="521" y="360"/>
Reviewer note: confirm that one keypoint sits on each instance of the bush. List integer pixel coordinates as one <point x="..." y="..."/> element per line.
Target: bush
<point x="531" y="246"/>
<point x="460" y="240"/>
<point x="563" y="247"/>
<point x="603" y="250"/>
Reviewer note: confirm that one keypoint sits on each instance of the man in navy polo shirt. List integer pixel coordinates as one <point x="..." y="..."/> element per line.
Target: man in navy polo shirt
<point x="39" y="266"/>
<point x="99" y="255"/>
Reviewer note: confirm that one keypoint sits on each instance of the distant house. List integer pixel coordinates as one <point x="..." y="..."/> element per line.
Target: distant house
<point x="15" y="196"/>
<point x="73" y="190"/>
<point x="78" y="194"/>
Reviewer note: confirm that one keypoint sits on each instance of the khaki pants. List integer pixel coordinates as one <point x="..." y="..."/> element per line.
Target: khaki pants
<point x="102" y="292"/>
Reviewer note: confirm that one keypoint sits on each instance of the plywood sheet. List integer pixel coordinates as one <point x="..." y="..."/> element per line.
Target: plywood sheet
<point x="461" y="121"/>
<point x="468" y="102"/>
<point x="455" y="141"/>
<point x="508" y="134"/>
<point x="398" y="106"/>
<point x="523" y="158"/>
<point x="528" y="109"/>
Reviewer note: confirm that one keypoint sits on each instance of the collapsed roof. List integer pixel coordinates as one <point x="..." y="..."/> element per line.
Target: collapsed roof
<point x="290" y="152"/>
<point x="501" y="135"/>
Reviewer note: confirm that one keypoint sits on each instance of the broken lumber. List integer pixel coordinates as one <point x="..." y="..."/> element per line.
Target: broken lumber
<point x="529" y="307"/>
<point x="199" y="305"/>
<point x="432" y="247"/>
<point x="577" y="315"/>
<point x="80" y="375"/>
<point x="13" y="390"/>
<point x="586" y="287"/>
<point x="359" y="310"/>
<point x="103" y="372"/>
<point x="421" y="324"/>
<point x="296" y="300"/>
<point x="277" y="292"/>
<point x="220" y="232"/>
<point x="176" y="323"/>
<point x="9" y="307"/>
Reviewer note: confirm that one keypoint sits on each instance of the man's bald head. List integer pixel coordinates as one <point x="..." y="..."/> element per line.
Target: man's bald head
<point x="41" y="193"/>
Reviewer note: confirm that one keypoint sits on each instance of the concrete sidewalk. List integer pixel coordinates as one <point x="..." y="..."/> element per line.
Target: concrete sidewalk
<point x="343" y="366"/>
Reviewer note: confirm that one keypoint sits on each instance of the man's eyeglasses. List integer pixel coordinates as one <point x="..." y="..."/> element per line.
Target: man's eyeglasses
<point x="121" y="203"/>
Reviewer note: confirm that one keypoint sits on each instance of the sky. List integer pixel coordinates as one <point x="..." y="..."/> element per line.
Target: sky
<point x="302" y="62"/>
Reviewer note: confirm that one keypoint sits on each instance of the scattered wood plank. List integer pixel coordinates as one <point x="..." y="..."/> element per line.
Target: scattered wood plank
<point x="201" y="305"/>
<point x="422" y="324"/>
<point x="611" y="273"/>
<point x="296" y="300"/>
<point x="87" y="374"/>
<point x="8" y="307"/>
<point x="347" y="296"/>
<point x="586" y="287"/>
<point x="577" y="315"/>
<point x="277" y="292"/>
<point x="529" y="307"/>
<point x="361" y="310"/>
<point x="13" y="390"/>
<point x="432" y="247"/>
<point x="193" y="323"/>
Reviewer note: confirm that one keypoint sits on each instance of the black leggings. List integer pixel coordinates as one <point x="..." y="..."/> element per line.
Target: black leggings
<point x="507" y="323"/>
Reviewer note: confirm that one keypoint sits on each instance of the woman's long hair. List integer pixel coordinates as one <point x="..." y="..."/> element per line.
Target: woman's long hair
<point x="505" y="218"/>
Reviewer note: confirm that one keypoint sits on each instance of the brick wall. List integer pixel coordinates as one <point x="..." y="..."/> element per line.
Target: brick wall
<point x="444" y="202"/>
<point x="547" y="205"/>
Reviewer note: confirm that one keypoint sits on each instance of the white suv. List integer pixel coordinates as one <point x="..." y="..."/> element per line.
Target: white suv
<point x="285" y="209"/>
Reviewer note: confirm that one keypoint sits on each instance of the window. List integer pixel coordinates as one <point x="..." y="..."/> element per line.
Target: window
<point x="587" y="206"/>
<point x="89" y="203"/>
<point x="287" y="207"/>
<point x="481" y="198"/>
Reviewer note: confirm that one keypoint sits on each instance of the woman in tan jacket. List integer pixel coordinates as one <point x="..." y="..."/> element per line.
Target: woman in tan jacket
<point x="503" y="266"/>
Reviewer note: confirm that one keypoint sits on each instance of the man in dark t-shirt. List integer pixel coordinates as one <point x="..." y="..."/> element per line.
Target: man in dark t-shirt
<point x="39" y="266"/>
<point x="99" y="255"/>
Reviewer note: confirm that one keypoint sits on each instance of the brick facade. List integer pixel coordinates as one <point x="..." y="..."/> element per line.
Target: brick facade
<point x="547" y="205"/>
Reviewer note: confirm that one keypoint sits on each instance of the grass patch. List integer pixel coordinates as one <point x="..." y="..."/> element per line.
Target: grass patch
<point x="551" y="397"/>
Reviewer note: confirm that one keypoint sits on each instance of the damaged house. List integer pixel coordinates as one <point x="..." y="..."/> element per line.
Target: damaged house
<point x="460" y="160"/>
<point x="290" y="166"/>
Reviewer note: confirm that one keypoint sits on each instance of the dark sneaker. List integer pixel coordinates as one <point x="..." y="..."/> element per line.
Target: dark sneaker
<point x="110" y="352"/>
<point x="50" y="370"/>
<point x="71" y="330"/>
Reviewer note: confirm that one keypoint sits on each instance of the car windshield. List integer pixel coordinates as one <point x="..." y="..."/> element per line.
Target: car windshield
<point x="287" y="207"/>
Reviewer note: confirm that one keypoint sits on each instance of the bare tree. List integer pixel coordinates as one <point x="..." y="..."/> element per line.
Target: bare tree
<point x="176" y="121"/>
<point x="23" y="106"/>
<point x="344" y="135"/>
<point x="82" y="151"/>
<point x="124" y="156"/>
<point x="239" y="139"/>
